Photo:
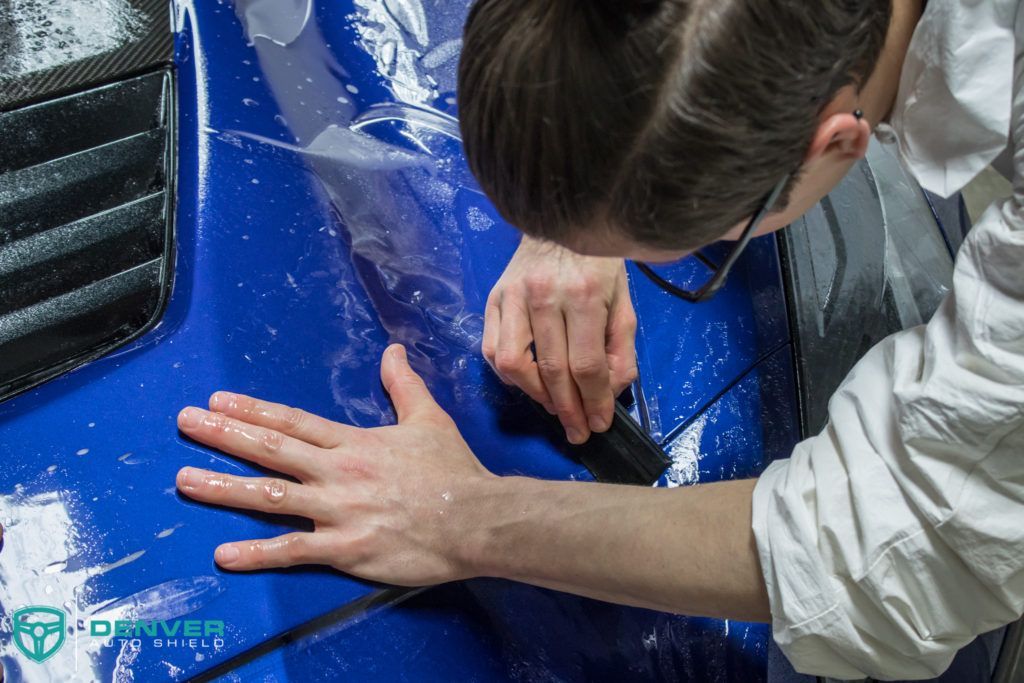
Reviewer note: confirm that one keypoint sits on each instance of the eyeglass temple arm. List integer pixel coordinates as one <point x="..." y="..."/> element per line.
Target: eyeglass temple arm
<point x="666" y="285"/>
<point x="718" y="279"/>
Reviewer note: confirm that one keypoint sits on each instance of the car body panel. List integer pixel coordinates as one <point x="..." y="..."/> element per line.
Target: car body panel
<point x="495" y="630"/>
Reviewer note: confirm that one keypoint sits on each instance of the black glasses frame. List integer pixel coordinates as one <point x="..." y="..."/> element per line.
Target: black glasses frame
<point x="721" y="273"/>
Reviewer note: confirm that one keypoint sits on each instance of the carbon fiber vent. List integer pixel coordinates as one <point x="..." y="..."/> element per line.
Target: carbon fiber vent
<point x="52" y="47"/>
<point x="85" y="226"/>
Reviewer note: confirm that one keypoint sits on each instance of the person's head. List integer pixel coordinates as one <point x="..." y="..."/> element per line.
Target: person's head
<point x="648" y="128"/>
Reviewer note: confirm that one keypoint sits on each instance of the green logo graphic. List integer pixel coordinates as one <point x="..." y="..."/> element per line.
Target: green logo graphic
<point x="34" y="627"/>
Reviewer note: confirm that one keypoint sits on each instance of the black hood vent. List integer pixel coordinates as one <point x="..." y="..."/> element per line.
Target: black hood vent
<point x="85" y="225"/>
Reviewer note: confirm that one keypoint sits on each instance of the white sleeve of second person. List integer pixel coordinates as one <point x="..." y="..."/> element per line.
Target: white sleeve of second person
<point x="893" y="538"/>
<point x="896" y="536"/>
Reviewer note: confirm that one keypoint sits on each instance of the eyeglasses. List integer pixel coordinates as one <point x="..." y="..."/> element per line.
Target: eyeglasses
<point x="719" y="272"/>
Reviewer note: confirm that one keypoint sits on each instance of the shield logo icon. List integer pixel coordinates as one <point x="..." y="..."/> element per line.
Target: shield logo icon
<point x="39" y="632"/>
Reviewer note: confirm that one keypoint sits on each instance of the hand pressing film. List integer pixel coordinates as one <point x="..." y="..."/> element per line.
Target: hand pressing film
<point x="371" y="519"/>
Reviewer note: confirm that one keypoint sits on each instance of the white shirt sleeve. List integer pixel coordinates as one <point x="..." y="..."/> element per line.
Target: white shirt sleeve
<point x="896" y="536"/>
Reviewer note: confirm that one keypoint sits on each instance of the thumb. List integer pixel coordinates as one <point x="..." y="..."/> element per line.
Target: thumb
<point x="407" y="390"/>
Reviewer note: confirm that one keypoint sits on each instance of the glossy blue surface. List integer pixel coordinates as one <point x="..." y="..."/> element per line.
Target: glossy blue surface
<point x="495" y="630"/>
<point x="689" y="353"/>
<point x="325" y="211"/>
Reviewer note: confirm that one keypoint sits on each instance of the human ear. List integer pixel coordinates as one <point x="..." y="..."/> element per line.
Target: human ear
<point x="840" y="136"/>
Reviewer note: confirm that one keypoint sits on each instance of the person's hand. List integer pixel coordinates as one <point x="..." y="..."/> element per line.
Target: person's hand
<point x="389" y="504"/>
<point x="576" y="314"/>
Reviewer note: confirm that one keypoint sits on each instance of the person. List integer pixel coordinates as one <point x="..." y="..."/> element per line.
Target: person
<point x="644" y="130"/>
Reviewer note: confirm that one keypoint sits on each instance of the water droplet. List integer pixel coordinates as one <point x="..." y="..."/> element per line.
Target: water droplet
<point x="167" y="532"/>
<point x="82" y="451"/>
<point x="352" y="89"/>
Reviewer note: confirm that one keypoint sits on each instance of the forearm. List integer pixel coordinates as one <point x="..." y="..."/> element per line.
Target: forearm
<point x="689" y="550"/>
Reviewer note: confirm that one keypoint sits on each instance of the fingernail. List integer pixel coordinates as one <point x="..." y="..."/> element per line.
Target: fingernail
<point x="398" y="351"/>
<point x="575" y="436"/>
<point x="217" y="401"/>
<point x="189" y="418"/>
<point x="188" y="479"/>
<point x="550" y="408"/>
<point x="597" y="423"/>
<point x="226" y="554"/>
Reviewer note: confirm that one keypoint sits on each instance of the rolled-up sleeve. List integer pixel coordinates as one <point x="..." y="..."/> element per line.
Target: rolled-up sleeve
<point x="893" y="538"/>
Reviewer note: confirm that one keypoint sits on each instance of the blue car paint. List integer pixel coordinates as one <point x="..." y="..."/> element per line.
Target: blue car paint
<point x="302" y="251"/>
<point x="495" y="630"/>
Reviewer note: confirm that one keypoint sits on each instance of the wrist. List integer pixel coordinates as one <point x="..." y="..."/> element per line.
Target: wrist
<point x="484" y="544"/>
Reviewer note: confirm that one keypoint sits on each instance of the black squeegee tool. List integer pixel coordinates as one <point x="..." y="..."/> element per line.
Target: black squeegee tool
<point x="625" y="454"/>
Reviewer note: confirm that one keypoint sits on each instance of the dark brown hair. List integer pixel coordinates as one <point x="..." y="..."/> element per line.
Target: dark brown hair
<point x="667" y="119"/>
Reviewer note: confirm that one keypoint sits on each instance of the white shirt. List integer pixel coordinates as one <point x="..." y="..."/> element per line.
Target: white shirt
<point x="893" y="538"/>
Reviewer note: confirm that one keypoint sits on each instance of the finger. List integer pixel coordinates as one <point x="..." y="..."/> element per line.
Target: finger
<point x="408" y="392"/>
<point x="283" y="551"/>
<point x="515" y="355"/>
<point x="585" y="327"/>
<point x="262" y="494"/>
<point x="266" y="447"/>
<point x="492" y="324"/>
<point x="621" y="345"/>
<point x="293" y="422"/>
<point x="553" y="363"/>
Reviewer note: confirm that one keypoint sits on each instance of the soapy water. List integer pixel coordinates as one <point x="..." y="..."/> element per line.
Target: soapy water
<point x="396" y="34"/>
<point x="442" y="54"/>
<point x="685" y="453"/>
<point x="478" y="220"/>
<point x="43" y="34"/>
<point x="45" y="533"/>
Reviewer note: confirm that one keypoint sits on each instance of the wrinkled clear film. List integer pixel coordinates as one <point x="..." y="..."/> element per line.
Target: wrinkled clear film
<point x="868" y="261"/>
